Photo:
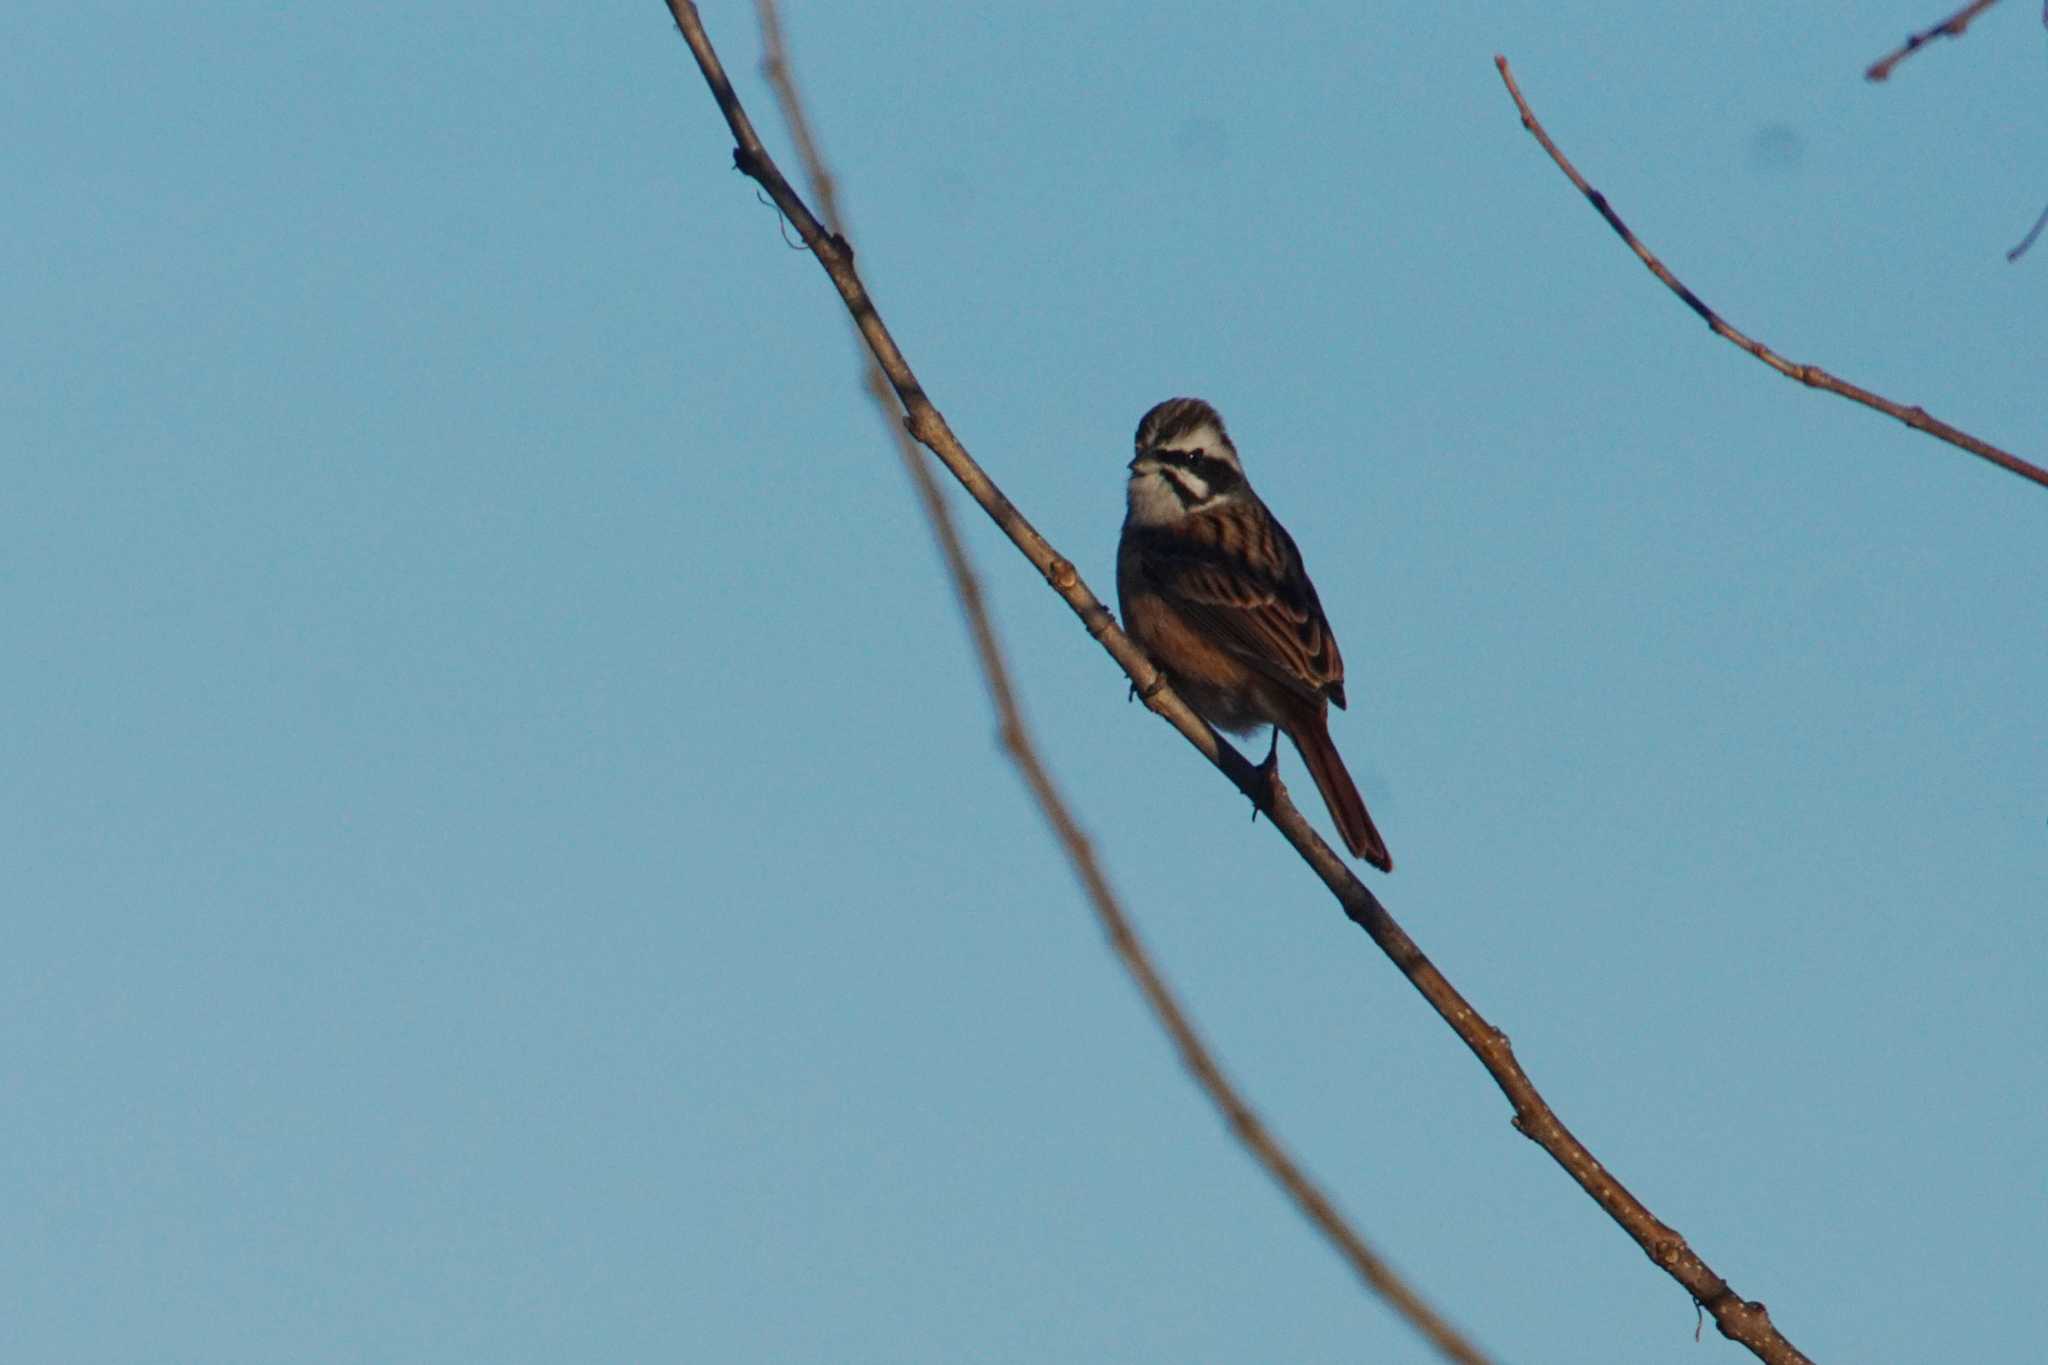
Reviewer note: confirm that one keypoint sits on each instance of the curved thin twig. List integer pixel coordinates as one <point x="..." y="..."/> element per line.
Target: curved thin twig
<point x="1951" y="27"/>
<point x="2028" y="240"/>
<point x="1745" y="1321"/>
<point x="1813" y="376"/>
<point x="1243" y="1120"/>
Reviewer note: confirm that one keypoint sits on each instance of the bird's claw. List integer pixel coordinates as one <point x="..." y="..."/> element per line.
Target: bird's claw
<point x="1270" y="770"/>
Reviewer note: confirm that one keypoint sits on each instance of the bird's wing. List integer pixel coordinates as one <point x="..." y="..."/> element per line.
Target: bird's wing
<point x="1251" y="595"/>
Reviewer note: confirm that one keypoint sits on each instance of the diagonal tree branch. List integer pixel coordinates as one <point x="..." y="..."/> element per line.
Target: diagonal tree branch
<point x="1813" y="376"/>
<point x="1244" y="1122"/>
<point x="1741" y="1320"/>
<point x="1951" y="27"/>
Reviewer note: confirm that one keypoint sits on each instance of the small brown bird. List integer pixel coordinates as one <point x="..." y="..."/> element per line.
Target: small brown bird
<point x="1211" y="585"/>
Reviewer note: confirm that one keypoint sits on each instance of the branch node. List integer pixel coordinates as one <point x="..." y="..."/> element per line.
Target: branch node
<point x="1951" y="27"/>
<point x="1060" y="573"/>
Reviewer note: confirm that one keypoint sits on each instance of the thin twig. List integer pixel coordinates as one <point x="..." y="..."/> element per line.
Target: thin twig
<point x="1951" y="27"/>
<point x="1813" y="376"/>
<point x="1738" y="1319"/>
<point x="1244" y="1122"/>
<point x="2028" y="240"/>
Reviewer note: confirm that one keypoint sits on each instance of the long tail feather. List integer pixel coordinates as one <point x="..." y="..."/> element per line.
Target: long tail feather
<point x="1311" y="737"/>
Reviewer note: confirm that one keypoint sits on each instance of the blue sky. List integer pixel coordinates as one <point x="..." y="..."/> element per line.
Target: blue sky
<point x="507" y="854"/>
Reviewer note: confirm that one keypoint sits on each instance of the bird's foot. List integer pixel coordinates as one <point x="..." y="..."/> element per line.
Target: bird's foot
<point x="1270" y="771"/>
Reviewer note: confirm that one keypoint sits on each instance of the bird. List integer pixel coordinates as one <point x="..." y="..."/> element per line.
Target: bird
<point x="1210" y="584"/>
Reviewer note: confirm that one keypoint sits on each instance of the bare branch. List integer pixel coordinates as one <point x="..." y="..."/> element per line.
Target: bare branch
<point x="1813" y="376"/>
<point x="1951" y="27"/>
<point x="1741" y="1320"/>
<point x="1243" y="1121"/>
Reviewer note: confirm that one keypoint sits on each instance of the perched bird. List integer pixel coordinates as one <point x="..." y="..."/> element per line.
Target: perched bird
<point x="1210" y="583"/>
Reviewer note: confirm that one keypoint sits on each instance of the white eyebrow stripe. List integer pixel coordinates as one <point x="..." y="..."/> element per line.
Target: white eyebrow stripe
<point x="1203" y="436"/>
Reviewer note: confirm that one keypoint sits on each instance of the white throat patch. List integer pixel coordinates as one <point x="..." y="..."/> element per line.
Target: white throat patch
<point x="1153" y="500"/>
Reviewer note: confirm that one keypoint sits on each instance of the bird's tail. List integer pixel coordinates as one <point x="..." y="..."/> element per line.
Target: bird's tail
<point x="1311" y="735"/>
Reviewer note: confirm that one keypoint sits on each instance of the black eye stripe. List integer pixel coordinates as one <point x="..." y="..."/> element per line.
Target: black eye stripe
<point x="1220" y="474"/>
<point x="1187" y="495"/>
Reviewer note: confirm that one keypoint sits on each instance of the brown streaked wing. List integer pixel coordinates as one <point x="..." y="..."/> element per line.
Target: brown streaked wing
<point x="1268" y="616"/>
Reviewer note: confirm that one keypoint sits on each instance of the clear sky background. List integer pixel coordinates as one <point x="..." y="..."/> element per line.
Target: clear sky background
<point x="505" y="853"/>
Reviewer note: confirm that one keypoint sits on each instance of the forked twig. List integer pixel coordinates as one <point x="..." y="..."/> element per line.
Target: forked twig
<point x="1739" y="1319"/>
<point x="1813" y="376"/>
<point x="1951" y="27"/>
<point x="1244" y="1122"/>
